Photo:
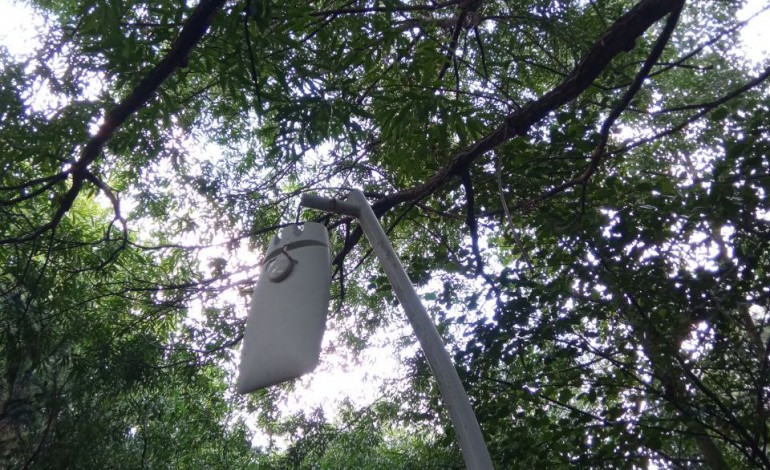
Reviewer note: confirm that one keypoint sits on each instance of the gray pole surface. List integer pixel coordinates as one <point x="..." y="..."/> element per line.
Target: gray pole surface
<point x="472" y="444"/>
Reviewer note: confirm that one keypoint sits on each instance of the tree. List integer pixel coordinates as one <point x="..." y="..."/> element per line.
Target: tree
<point x="588" y="182"/>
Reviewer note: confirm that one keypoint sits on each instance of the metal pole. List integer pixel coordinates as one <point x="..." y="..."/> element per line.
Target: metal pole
<point x="472" y="444"/>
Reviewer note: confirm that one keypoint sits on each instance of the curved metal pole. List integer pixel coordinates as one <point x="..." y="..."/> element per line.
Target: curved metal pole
<point x="472" y="444"/>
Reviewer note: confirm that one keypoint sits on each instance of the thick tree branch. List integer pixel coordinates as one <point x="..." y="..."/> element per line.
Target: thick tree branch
<point x="620" y="37"/>
<point x="600" y="149"/>
<point x="194" y="29"/>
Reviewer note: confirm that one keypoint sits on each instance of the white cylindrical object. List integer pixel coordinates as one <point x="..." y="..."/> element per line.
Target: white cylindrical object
<point x="287" y="318"/>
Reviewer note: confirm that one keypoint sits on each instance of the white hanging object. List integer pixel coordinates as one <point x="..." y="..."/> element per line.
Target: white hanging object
<point x="287" y="318"/>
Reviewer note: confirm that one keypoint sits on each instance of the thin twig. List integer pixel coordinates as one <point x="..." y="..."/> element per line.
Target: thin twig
<point x="508" y="218"/>
<point x="470" y="219"/>
<point x="388" y="9"/>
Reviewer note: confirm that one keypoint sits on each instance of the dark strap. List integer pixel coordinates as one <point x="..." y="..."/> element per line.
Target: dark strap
<point x="292" y="246"/>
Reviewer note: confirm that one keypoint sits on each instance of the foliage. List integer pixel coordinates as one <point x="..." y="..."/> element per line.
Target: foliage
<point x="579" y="188"/>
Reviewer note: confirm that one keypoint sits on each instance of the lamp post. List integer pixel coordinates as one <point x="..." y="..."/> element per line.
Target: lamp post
<point x="471" y="441"/>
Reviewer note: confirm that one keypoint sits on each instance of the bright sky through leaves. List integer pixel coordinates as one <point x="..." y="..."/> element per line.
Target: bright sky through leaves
<point x="578" y="188"/>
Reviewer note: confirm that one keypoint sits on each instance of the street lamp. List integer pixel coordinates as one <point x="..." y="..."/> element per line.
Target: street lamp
<point x="355" y="205"/>
<point x="286" y="321"/>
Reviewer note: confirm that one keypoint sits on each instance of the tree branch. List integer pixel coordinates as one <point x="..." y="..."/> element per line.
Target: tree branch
<point x="619" y="38"/>
<point x="194" y="29"/>
<point x="470" y="219"/>
<point x="601" y="147"/>
<point x="705" y="108"/>
<point x="250" y="52"/>
<point x="387" y="9"/>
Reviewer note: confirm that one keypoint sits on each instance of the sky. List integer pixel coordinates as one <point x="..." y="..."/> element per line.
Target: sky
<point x="18" y="27"/>
<point x="756" y="35"/>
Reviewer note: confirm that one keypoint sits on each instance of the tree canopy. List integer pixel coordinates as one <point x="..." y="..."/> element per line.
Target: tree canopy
<point x="578" y="187"/>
